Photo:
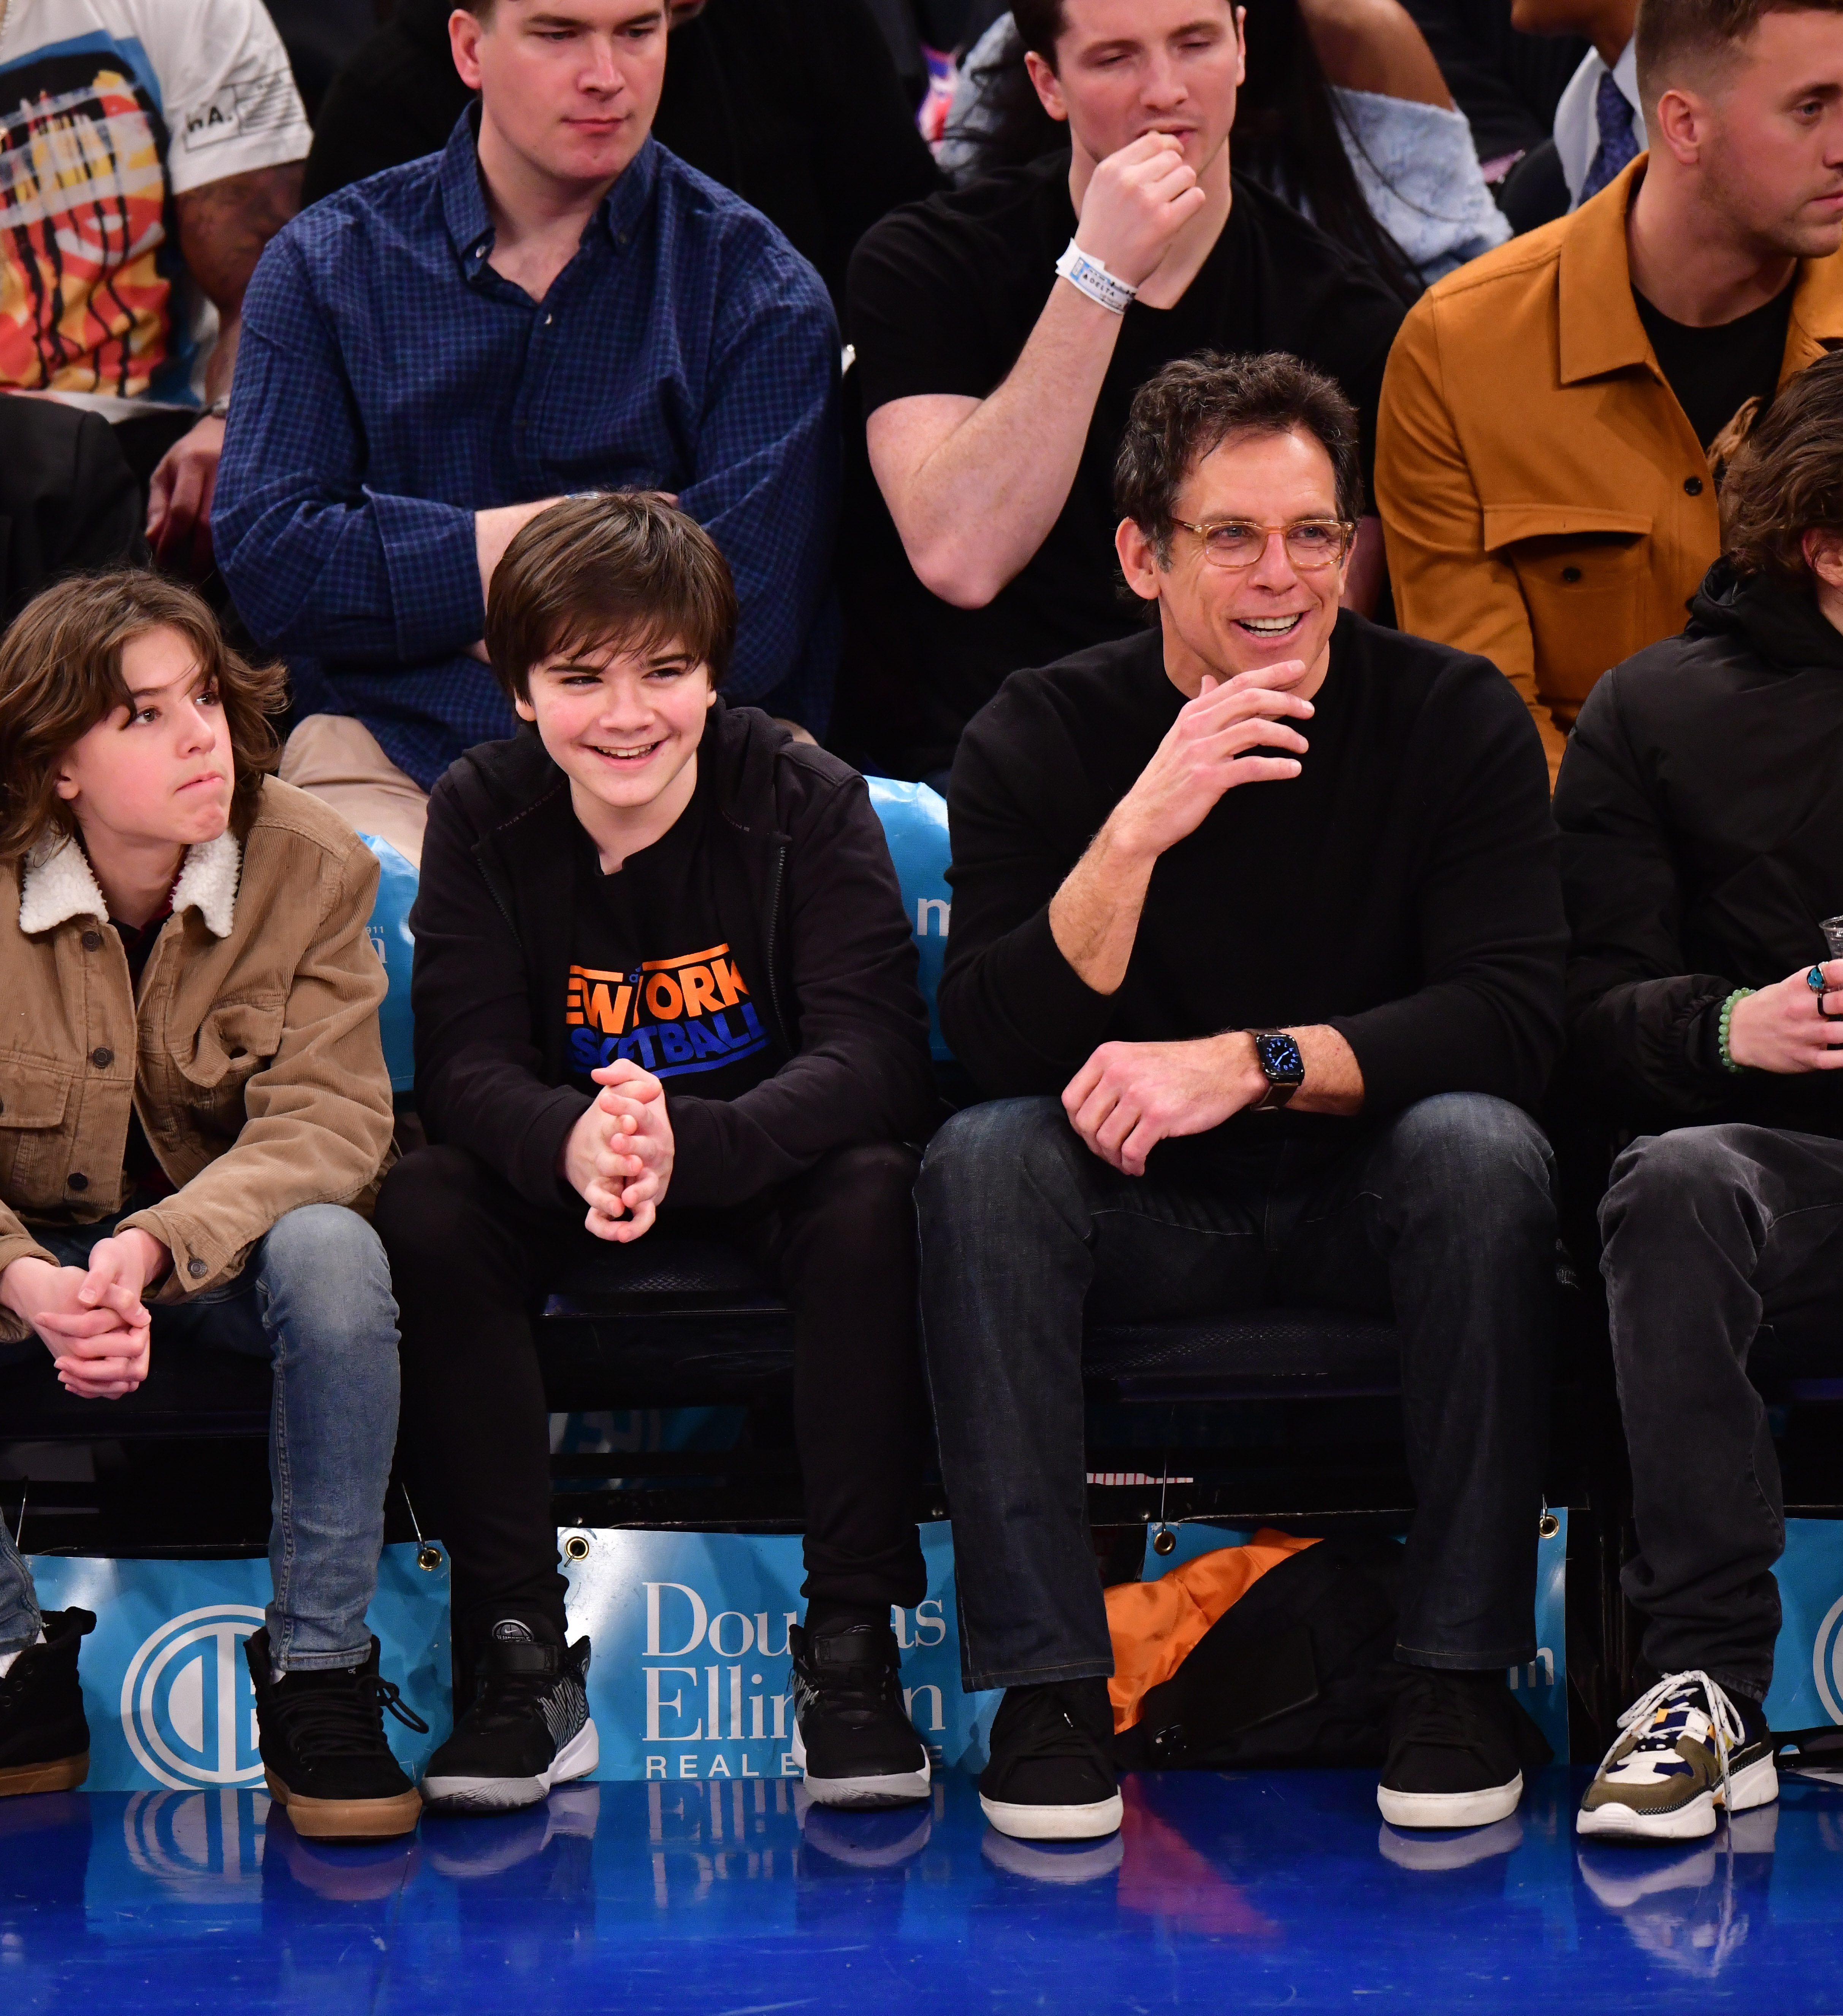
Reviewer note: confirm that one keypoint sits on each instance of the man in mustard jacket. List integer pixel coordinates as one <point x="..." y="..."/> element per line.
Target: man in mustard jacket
<point x="1553" y="413"/>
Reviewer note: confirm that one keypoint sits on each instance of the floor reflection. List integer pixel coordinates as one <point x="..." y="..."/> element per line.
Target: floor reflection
<point x="1257" y="1890"/>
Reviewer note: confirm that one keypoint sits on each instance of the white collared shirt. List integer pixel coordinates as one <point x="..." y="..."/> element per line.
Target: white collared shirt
<point x="1577" y="123"/>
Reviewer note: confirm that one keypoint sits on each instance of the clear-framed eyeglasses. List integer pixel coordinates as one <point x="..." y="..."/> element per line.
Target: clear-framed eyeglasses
<point x="1237" y="543"/>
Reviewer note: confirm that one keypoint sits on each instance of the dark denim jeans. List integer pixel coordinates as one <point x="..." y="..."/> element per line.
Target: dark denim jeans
<point x="314" y="1299"/>
<point x="1443" y="1217"/>
<point x="1709" y="1232"/>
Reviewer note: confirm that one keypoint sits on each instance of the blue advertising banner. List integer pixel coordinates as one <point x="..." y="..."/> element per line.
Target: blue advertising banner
<point x="1542" y="1686"/>
<point x="166" y="1689"/>
<point x="692" y="1675"/>
<point x="690" y="1679"/>
<point x="1808" y="1669"/>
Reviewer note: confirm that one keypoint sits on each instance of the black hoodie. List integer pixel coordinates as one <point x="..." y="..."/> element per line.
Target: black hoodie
<point x="1700" y="804"/>
<point x="803" y="873"/>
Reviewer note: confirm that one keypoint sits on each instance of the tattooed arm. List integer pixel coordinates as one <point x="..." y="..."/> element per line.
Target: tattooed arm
<point x="223" y="227"/>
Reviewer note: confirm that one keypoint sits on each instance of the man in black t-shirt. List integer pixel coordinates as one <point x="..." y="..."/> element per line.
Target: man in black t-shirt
<point x="1001" y="332"/>
<point x="1333" y="842"/>
<point x="663" y="986"/>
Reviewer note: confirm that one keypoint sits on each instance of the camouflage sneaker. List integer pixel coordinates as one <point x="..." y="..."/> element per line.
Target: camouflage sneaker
<point x="1686" y="1749"/>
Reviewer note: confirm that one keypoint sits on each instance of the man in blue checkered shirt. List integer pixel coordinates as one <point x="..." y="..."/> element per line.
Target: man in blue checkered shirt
<point x="555" y="304"/>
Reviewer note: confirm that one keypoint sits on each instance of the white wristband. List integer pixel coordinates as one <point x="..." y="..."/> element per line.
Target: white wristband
<point x="1091" y="277"/>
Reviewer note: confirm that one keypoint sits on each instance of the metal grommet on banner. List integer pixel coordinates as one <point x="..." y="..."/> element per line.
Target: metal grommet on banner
<point x="576" y="1547"/>
<point x="428" y="1559"/>
<point x="1165" y="1541"/>
<point x="1548" y="1526"/>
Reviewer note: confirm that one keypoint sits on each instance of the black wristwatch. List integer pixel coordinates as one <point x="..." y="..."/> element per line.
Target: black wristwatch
<point x="1281" y="1064"/>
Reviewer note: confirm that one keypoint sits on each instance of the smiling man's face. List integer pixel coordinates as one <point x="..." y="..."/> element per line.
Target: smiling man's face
<point x="1223" y="621"/>
<point x="570" y="86"/>
<point x="1125" y="68"/>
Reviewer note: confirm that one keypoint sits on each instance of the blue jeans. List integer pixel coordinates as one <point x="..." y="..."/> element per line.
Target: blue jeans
<point x="1442" y="1218"/>
<point x="314" y="1299"/>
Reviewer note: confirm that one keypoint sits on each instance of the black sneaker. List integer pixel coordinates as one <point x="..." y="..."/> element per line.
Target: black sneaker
<point x="44" y="1734"/>
<point x="324" y="1753"/>
<point x="1051" y="1777"/>
<point x="852" y="1736"/>
<point x="527" y="1729"/>
<point x="1459" y="1744"/>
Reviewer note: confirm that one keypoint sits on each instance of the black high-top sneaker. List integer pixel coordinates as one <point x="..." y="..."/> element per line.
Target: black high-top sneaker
<point x="44" y="1734"/>
<point x="324" y="1753"/>
<point x="526" y="1728"/>
<point x="852" y="1736"/>
<point x="1051" y="1775"/>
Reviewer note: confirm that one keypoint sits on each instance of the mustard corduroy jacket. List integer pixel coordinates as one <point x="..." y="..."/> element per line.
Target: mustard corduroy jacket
<point x="1544" y="498"/>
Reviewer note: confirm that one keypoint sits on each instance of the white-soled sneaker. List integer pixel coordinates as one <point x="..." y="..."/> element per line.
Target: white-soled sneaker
<point x="1685" y="1747"/>
<point x="526" y="1729"/>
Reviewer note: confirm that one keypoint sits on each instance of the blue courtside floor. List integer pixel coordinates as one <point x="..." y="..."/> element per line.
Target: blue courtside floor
<point x="1251" y="1892"/>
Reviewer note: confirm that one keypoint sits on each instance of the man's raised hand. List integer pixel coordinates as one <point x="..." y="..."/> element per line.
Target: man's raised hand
<point x="1214" y="745"/>
<point x="1137" y="202"/>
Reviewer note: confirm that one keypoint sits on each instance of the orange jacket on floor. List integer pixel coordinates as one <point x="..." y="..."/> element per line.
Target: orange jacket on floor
<point x="1545" y="498"/>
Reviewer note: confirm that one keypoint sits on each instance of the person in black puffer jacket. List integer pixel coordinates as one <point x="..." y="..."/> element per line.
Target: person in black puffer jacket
<point x="1700" y="805"/>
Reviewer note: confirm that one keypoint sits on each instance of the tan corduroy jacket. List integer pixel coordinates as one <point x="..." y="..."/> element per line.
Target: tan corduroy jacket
<point x="1545" y="500"/>
<point x="252" y="1055"/>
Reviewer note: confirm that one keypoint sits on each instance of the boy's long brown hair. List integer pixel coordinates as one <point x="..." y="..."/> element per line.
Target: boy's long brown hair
<point x="60" y="673"/>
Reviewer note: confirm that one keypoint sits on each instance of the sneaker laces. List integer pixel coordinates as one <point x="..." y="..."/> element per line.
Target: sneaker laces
<point x="343" y="1721"/>
<point x="1654" y="1706"/>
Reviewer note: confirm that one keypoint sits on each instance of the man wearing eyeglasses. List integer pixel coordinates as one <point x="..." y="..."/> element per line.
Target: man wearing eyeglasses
<point x="1257" y="944"/>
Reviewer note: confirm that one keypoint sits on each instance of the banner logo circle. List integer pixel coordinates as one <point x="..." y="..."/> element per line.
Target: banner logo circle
<point x="188" y="1708"/>
<point x="1827" y="1661"/>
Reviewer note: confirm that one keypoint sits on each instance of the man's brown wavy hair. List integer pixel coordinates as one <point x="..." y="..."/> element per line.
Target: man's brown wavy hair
<point x="1786" y="479"/>
<point x="60" y="673"/>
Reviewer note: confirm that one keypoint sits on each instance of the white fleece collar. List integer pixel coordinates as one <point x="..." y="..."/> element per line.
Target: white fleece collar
<point x="58" y="885"/>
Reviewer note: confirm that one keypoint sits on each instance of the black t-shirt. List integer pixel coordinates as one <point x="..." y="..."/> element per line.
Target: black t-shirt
<point x="1714" y="372"/>
<point x="942" y="298"/>
<point x="1403" y="888"/>
<point x="144" y="1176"/>
<point x="662" y="970"/>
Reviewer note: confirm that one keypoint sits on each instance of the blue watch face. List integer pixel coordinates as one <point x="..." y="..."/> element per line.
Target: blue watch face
<point x="1280" y="1059"/>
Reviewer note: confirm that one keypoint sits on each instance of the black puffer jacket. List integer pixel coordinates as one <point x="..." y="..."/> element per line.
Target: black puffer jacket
<point x="1700" y="805"/>
<point x="806" y="867"/>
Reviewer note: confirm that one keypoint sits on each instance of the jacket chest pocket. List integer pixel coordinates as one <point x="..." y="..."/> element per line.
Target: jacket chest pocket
<point x="234" y="1041"/>
<point x="33" y="1099"/>
<point x="1585" y="581"/>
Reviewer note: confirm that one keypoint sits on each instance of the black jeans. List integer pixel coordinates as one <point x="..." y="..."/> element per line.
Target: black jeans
<point x="1443" y="1217"/>
<point x="471" y="1262"/>
<point x="1709" y="1232"/>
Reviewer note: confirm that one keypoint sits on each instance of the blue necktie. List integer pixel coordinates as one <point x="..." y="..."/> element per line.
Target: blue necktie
<point x="1618" y="144"/>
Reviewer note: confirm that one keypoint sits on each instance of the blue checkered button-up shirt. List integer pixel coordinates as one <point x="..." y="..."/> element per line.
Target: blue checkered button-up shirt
<point x="390" y="384"/>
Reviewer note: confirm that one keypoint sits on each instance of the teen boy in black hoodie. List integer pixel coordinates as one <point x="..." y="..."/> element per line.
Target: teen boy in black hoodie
<point x="662" y="966"/>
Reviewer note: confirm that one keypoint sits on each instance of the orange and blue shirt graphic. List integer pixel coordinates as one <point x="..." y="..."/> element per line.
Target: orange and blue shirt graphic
<point x="671" y="1017"/>
<point x="85" y="292"/>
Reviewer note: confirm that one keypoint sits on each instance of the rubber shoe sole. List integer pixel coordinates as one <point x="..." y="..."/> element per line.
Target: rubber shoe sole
<point x="888" y="1788"/>
<point x="347" y="1819"/>
<point x="1449" y="1809"/>
<point x="577" y="1758"/>
<point x="1757" y="1785"/>
<point x="1089" y="1822"/>
<point x="63" y="1775"/>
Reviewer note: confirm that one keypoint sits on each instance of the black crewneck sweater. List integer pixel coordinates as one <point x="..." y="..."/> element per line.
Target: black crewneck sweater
<point x="1404" y="888"/>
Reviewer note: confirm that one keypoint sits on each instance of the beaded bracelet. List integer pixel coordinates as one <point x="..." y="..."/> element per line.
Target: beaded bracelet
<point x="1728" y="1007"/>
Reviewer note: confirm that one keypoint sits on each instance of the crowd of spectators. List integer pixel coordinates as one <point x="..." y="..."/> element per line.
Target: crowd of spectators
<point x="1258" y="464"/>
